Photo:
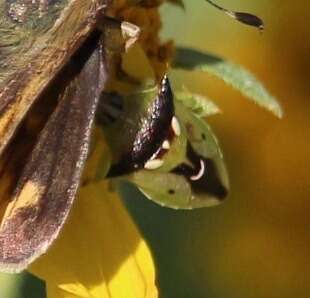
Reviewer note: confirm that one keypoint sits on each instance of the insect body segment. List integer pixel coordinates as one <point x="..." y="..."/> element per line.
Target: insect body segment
<point x="171" y="155"/>
<point x="144" y="129"/>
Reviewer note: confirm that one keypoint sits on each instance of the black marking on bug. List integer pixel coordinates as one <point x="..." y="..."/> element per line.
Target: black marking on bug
<point x="152" y="131"/>
<point x="208" y="182"/>
<point x="171" y="191"/>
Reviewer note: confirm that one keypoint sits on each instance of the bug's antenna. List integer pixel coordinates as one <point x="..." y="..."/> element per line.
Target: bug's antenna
<point x="243" y="17"/>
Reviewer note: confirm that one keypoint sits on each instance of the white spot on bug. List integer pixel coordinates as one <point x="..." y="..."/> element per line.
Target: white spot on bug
<point x="200" y="173"/>
<point x="166" y="145"/>
<point x="153" y="164"/>
<point x="164" y="84"/>
<point x="176" y="126"/>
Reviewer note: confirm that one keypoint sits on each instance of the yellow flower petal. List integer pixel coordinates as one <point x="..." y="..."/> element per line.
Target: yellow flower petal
<point x="99" y="253"/>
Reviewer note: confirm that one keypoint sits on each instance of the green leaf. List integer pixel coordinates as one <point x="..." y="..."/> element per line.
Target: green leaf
<point x="169" y="188"/>
<point x="200" y="105"/>
<point x="230" y="73"/>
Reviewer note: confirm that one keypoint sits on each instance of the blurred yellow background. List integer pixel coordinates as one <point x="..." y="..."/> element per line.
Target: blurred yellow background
<point x="257" y="244"/>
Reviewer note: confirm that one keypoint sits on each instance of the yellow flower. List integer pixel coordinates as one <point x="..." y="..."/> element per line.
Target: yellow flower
<point x="99" y="253"/>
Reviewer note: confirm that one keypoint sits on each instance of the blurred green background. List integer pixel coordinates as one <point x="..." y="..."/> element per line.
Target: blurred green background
<point x="257" y="244"/>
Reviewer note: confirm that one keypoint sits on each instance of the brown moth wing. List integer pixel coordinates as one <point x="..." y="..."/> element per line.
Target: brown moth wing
<point x="30" y="59"/>
<point x="11" y="162"/>
<point x="48" y="184"/>
<point x="16" y="154"/>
